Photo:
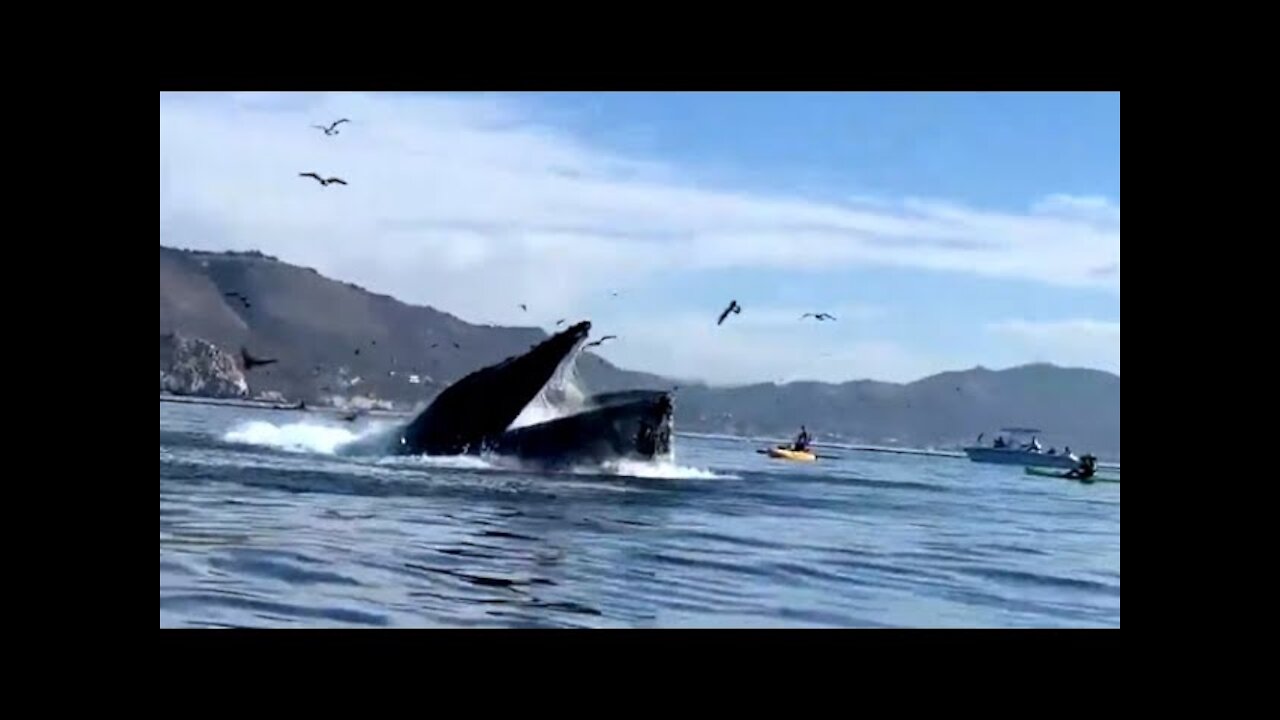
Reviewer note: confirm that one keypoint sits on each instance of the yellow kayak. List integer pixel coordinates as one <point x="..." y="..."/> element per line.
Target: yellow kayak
<point x="785" y="454"/>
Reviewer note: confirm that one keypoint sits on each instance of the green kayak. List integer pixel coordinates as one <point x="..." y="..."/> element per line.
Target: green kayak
<point x="1046" y="472"/>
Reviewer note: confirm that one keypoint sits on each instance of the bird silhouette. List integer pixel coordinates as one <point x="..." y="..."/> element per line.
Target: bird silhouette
<point x="734" y="308"/>
<point x="251" y="362"/>
<point x="332" y="129"/>
<point x="559" y="322"/>
<point x="601" y="340"/>
<point x="323" y="181"/>
<point x="522" y="307"/>
<point x="818" y="316"/>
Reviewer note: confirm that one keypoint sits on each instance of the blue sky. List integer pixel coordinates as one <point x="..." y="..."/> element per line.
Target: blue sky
<point x="945" y="230"/>
<point x="992" y="150"/>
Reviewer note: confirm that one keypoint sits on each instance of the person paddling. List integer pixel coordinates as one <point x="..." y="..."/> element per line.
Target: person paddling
<point x="802" y="441"/>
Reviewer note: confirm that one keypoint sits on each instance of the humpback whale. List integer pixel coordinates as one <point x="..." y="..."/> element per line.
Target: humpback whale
<point x="474" y="415"/>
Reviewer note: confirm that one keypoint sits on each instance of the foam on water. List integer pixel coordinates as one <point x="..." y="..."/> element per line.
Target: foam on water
<point x="657" y="470"/>
<point x="304" y="437"/>
<point x="455" y="462"/>
<point x="325" y="439"/>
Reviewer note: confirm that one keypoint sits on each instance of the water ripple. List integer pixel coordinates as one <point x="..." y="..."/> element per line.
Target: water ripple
<point x="252" y="536"/>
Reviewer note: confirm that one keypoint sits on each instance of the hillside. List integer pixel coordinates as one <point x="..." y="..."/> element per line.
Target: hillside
<point x="1074" y="407"/>
<point x="314" y="325"/>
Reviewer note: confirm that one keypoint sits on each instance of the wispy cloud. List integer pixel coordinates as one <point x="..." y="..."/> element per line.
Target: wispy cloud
<point x="1083" y="342"/>
<point x="467" y="205"/>
<point x="762" y="345"/>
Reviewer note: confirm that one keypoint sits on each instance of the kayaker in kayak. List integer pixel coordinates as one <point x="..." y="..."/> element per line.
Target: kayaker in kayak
<point x="1084" y="471"/>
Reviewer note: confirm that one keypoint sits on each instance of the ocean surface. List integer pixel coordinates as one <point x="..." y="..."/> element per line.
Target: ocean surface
<point x="264" y="522"/>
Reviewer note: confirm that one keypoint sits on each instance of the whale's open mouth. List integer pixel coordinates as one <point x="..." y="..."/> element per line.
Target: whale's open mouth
<point x="531" y="407"/>
<point x="561" y="396"/>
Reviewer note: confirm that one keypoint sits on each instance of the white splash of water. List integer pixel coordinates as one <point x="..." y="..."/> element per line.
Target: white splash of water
<point x="660" y="470"/>
<point x="305" y="437"/>
<point x="453" y="462"/>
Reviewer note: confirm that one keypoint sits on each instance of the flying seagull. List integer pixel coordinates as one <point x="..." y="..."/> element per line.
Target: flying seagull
<point x="332" y="129"/>
<point x="559" y="322"/>
<point x="734" y="308"/>
<point x="323" y="181"/>
<point x="818" y="316"/>
<point x="522" y="307"/>
<point x="597" y="342"/>
<point x="251" y="362"/>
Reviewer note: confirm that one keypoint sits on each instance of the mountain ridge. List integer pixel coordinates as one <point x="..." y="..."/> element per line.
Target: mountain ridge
<point x="336" y="340"/>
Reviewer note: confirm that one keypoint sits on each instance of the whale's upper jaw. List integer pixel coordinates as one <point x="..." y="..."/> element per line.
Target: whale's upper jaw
<point x="578" y="332"/>
<point x="482" y="405"/>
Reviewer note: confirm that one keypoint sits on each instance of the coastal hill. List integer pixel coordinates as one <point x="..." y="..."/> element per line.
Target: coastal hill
<point x="336" y="341"/>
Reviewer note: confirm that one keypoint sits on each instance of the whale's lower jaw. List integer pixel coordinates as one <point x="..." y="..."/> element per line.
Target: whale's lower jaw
<point x="639" y="429"/>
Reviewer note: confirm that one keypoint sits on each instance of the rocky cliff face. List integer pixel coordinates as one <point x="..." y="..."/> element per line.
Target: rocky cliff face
<point x="191" y="366"/>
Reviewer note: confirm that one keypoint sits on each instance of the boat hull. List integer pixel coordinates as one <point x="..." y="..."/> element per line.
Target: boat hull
<point x="1042" y="472"/>
<point x="1024" y="458"/>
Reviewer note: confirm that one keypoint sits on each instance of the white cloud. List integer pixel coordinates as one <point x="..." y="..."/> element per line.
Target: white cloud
<point x="465" y="205"/>
<point x="1078" y="342"/>
<point x="1090" y="207"/>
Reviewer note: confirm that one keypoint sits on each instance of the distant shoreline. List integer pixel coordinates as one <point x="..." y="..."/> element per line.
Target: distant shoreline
<point x="268" y="405"/>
